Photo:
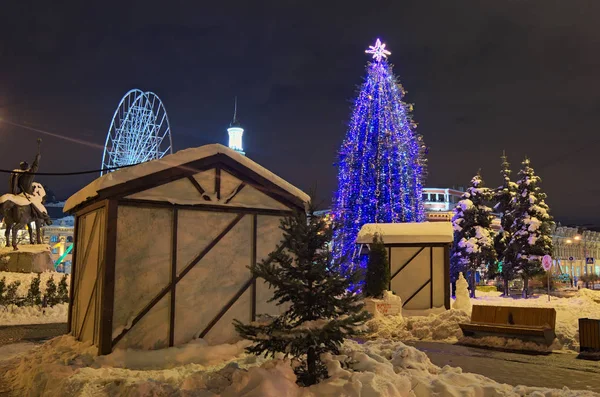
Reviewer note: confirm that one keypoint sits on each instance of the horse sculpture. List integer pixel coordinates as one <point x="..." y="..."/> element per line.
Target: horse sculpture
<point x="18" y="211"/>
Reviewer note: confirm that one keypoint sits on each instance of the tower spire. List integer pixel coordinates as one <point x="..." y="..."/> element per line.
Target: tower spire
<point x="234" y="122"/>
<point x="235" y="131"/>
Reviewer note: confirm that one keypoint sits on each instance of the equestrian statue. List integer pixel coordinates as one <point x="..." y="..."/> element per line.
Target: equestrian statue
<point x="24" y="204"/>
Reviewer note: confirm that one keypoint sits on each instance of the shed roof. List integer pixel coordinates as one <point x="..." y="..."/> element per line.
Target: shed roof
<point x="406" y="233"/>
<point x="179" y="159"/>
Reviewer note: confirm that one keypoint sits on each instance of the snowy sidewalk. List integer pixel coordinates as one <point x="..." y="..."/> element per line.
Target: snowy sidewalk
<point x="554" y="371"/>
<point x="10" y="334"/>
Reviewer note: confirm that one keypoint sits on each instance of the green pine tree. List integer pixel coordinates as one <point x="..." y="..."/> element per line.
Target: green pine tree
<point x="504" y="198"/>
<point x="63" y="290"/>
<point x="532" y="227"/>
<point x="3" y="291"/>
<point x="473" y="246"/>
<point x="11" y="297"/>
<point x="34" y="294"/>
<point x="377" y="278"/>
<point x="51" y="292"/>
<point x="321" y="311"/>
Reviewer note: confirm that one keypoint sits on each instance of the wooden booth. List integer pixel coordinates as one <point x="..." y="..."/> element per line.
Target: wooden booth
<point x="419" y="257"/>
<point x="162" y="249"/>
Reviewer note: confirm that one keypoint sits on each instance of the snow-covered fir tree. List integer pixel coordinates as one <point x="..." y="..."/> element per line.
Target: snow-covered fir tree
<point x="504" y="199"/>
<point x="532" y="227"/>
<point x="473" y="246"/>
<point x="377" y="278"/>
<point x="63" y="290"/>
<point x="321" y="311"/>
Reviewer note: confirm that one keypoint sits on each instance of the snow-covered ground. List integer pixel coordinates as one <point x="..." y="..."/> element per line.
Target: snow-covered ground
<point x="29" y="314"/>
<point x="34" y="315"/>
<point x="378" y="368"/>
<point x="443" y="325"/>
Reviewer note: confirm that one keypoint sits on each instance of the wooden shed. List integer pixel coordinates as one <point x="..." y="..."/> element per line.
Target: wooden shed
<point x="419" y="257"/>
<point x="162" y="249"/>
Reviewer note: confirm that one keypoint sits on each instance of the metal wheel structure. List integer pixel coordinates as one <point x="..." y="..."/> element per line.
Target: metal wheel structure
<point x="139" y="131"/>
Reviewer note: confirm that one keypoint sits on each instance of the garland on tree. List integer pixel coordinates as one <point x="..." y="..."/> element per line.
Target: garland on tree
<point x="473" y="246"/>
<point x="381" y="161"/>
<point x="322" y="311"/>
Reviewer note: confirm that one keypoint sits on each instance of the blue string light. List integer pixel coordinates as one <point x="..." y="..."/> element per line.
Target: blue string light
<point x="381" y="161"/>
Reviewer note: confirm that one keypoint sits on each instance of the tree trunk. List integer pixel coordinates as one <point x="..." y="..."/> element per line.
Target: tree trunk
<point x="472" y="279"/>
<point x="311" y="361"/>
<point x="506" y="291"/>
<point x="525" y="287"/>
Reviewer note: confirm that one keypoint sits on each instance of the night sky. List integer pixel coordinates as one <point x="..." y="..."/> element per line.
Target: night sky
<point x="485" y="76"/>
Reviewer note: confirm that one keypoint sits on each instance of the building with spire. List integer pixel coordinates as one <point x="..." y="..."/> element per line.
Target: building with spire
<point x="235" y="132"/>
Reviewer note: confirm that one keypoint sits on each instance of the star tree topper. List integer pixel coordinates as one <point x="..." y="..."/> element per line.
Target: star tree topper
<point x="378" y="50"/>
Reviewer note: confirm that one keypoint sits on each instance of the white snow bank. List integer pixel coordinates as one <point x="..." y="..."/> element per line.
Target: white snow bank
<point x="34" y="315"/>
<point x="434" y="327"/>
<point x="182" y="157"/>
<point x="374" y="369"/>
<point x="399" y="233"/>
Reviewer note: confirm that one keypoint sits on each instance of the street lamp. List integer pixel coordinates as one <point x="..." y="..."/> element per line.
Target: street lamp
<point x="569" y="241"/>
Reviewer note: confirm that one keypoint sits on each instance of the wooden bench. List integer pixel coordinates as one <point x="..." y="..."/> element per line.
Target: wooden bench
<point x="589" y="335"/>
<point x="535" y="324"/>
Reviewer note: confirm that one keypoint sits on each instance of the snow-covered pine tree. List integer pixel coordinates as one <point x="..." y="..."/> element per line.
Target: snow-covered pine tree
<point x="34" y="295"/>
<point x="473" y="245"/>
<point x="321" y="312"/>
<point x="532" y="227"/>
<point x="2" y="291"/>
<point x="377" y="278"/>
<point x="504" y="199"/>
<point x="63" y="290"/>
<point x="11" y="297"/>
<point x="51" y="292"/>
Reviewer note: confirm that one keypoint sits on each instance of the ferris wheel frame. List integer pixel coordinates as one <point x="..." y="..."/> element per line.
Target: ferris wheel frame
<point x="145" y="142"/>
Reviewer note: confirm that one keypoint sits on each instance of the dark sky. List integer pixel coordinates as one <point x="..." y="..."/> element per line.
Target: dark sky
<point x="485" y="76"/>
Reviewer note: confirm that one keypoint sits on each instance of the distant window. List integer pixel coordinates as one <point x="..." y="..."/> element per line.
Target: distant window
<point x="69" y="239"/>
<point x="440" y="198"/>
<point x="54" y="239"/>
<point x="425" y="197"/>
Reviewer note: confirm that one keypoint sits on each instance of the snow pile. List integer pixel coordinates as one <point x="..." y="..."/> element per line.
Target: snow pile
<point x="437" y="327"/>
<point x="463" y="301"/>
<point x="373" y="369"/>
<point x="390" y="305"/>
<point x="34" y="315"/>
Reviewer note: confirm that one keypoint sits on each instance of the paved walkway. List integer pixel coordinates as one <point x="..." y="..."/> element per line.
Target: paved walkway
<point x="554" y="370"/>
<point x="30" y="333"/>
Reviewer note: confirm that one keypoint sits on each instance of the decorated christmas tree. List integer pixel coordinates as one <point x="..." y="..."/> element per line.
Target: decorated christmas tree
<point x="473" y="246"/>
<point x="382" y="159"/>
<point x="532" y="227"/>
<point x="321" y="311"/>
<point x="504" y="198"/>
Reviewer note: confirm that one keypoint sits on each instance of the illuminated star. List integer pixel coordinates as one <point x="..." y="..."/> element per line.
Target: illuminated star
<point x="378" y="50"/>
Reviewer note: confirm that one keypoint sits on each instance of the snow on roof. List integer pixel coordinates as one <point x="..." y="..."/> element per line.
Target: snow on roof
<point x="181" y="157"/>
<point x="402" y="233"/>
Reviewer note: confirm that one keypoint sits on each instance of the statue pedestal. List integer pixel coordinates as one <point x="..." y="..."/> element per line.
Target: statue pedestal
<point x="28" y="259"/>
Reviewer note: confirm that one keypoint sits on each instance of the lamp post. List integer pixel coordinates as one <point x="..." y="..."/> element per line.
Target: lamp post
<point x="569" y="242"/>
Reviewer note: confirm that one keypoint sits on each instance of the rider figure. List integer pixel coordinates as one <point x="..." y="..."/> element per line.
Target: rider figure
<point x="21" y="181"/>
